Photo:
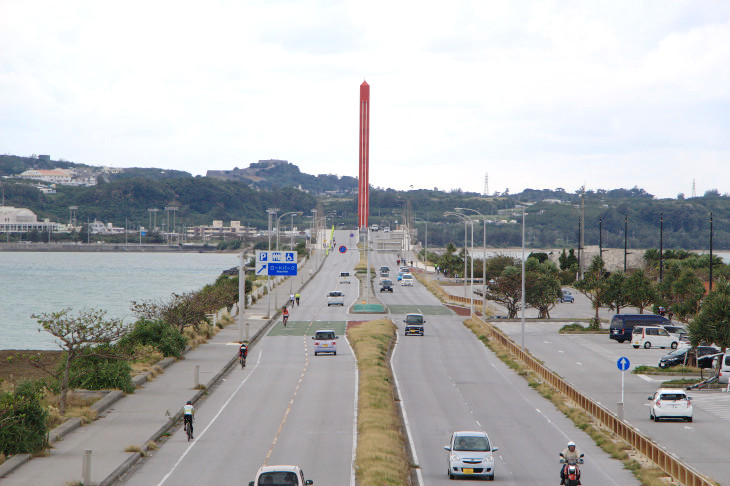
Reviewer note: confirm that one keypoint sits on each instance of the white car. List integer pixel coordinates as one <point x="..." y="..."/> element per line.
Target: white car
<point x="280" y="476"/>
<point x="670" y="403"/>
<point x="471" y="454"/>
<point x="407" y="280"/>
<point x="325" y="341"/>
<point x="335" y="297"/>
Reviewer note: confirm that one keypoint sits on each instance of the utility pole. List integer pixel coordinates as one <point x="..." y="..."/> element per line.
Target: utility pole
<point x="581" y="258"/>
<point x="710" y="251"/>
<point x="661" y="247"/>
<point x="626" y="239"/>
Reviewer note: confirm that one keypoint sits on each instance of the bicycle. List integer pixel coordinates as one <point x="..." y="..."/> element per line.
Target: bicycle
<point x="189" y="428"/>
<point x="285" y="319"/>
<point x="242" y="359"/>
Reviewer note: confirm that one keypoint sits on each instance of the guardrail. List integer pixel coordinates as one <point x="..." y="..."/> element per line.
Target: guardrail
<point x="669" y="464"/>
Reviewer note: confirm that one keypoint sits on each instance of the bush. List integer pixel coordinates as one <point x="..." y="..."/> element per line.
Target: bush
<point x="566" y="277"/>
<point x="100" y="369"/>
<point x="24" y="420"/>
<point x="164" y="337"/>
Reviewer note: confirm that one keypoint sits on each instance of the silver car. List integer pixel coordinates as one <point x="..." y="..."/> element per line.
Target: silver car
<point x="471" y="454"/>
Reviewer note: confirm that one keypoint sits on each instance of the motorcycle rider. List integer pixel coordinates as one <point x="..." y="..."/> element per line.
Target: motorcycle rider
<point x="570" y="454"/>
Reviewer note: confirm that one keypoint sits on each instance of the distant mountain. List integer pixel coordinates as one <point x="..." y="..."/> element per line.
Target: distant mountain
<point x="267" y="174"/>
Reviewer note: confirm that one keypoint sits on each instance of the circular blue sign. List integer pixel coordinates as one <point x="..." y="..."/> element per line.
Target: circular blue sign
<point x="343" y="249"/>
<point x="623" y="363"/>
<point x="352" y="235"/>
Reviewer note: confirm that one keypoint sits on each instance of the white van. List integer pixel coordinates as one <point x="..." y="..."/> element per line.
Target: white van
<point x="344" y="277"/>
<point x="325" y="341"/>
<point x="648" y="336"/>
<point x="407" y="280"/>
<point x="335" y="297"/>
<point x="723" y="375"/>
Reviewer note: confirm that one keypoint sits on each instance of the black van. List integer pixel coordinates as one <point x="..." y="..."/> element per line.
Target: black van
<point x="622" y="325"/>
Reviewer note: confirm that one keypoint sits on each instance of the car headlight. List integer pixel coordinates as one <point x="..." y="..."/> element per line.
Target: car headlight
<point x="455" y="457"/>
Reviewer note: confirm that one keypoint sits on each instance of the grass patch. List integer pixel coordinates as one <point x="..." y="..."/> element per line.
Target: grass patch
<point x="614" y="446"/>
<point x="133" y="448"/>
<point x="574" y="327"/>
<point x="680" y="382"/>
<point x="675" y="370"/>
<point x="381" y="456"/>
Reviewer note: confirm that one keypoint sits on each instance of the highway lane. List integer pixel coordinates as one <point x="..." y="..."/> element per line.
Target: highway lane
<point x="287" y="406"/>
<point x="448" y="380"/>
<point x="589" y="363"/>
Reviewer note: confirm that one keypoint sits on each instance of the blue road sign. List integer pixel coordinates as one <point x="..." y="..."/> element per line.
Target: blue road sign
<point x="623" y="363"/>
<point x="288" y="269"/>
<point x="343" y="249"/>
<point x="352" y="235"/>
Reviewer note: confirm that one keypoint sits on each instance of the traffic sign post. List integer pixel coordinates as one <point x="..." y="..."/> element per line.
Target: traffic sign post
<point x="276" y="263"/>
<point x="623" y="364"/>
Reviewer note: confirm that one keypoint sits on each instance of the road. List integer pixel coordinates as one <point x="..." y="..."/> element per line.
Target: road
<point x="448" y="380"/>
<point x="589" y="363"/>
<point x="286" y="407"/>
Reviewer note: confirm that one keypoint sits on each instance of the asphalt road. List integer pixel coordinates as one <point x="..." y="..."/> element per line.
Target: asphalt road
<point x="448" y="380"/>
<point x="286" y="407"/>
<point x="589" y="362"/>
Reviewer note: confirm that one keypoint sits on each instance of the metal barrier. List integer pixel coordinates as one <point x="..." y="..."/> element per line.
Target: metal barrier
<point x="672" y="466"/>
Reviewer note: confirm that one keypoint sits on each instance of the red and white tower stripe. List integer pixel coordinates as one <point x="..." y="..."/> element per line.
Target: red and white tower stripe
<point x="363" y="195"/>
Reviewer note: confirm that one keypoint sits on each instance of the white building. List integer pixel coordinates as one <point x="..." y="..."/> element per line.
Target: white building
<point x="22" y="220"/>
<point x="55" y="176"/>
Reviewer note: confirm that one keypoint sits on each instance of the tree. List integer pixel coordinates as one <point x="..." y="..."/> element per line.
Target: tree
<point x="640" y="290"/>
<point x="617" y="296"/>
<point x="507" y="290"/>
<point x="542" y="286"/>
<point x="712" y="324"/>
<point x="593" y="286"/>
<point x="75" y="334"/>
<point x="687" y="292"/>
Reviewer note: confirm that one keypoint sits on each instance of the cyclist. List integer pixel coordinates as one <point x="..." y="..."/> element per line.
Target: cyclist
<point x="291" y="299"/>
<point x="285" y="315"/>
<point x="297" y="297"/>
<point x="188" y="414"/>
<point x="243" y="353"/>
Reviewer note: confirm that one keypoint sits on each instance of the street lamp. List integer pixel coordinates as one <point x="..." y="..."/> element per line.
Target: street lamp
<point x="522" y="297"/>
<point x="269" y="212"/>
<point x="425" y="251"/>
<point x="484" y="259"/>
<point x="469" y="221"/>
<point x="299" y="213"/>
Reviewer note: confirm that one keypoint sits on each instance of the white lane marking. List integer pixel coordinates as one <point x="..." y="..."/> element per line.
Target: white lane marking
<point x="548" y="342"/>
<point x="579" y="363"/>
<point x="646" y="378"/>
<point x="561" y="351"/>
<point x="182" y="456"/>
<point x="354" y="421"/>
<point x="402" y="403"/>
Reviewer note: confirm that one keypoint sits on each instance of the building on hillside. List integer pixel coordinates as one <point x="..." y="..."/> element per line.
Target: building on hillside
<point x="22" y="220"/>
<point x="218" y="230"/>
<point x="55" y="176"/>
<point x="98" y="227"/>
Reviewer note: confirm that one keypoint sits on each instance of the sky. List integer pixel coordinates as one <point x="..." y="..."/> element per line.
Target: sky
<point x="527" y="94"/>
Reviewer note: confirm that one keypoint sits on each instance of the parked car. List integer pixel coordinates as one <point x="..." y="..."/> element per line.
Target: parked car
<point x="723" y="375"/>
<point x="675" y="329"/>
<point x="470" y="454"/>
<point x="280" y="476"/>
<point x="407" y="280"/>
<point x="325" y="341"/>
<point x="705" y="357"/>
<point x="658" y="337"/>
<point x="386" y="285"/>
<point x="622" y="324"/>
<point x="414" y="324"/>
<point x="335" y="297"/>
<point x="566" y="296"/>
<point x="670" y="403"/>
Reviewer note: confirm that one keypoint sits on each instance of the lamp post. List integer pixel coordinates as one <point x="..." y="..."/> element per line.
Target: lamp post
<point x="469" y="221"/>
<point x="299" y="213"/>
<point x="484" y="259"/>
<point x="522" y="297"/>
<point x="425" y="250"/>
<point x="269" y="212"/>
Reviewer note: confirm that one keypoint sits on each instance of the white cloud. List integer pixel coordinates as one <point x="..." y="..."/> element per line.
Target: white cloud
<point x="537" y="94"/>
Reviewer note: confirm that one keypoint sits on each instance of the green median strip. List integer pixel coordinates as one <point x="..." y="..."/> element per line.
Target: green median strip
<point x="381" y="456"/>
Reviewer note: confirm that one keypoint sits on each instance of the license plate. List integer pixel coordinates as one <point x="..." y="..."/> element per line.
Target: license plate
<point x="467" y="471"/>
<point x="325" y="345"/>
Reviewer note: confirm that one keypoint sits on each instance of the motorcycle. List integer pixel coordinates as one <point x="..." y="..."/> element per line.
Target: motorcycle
<point x="572" y="473"/>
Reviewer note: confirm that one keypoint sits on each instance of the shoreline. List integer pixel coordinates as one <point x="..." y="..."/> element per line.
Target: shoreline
<point x="108" y="247"/>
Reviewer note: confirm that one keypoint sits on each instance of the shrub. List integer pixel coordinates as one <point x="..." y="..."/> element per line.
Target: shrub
<point x="24" y="419"/>
<point x="164" y="337"/>
<point x="100" y="369"/>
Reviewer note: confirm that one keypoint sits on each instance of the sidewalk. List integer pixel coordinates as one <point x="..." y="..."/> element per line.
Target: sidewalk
<point x="146" y="414"/>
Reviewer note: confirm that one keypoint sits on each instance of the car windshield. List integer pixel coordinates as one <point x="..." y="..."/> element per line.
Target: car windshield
<point x="278" y="478"/>
<point x="471" y="444"/>
<point x="387" y="282"/>
<point x="414" y="319"/>
<point x="325" y="335"/>
<point x="335" y="294"/>
<point x="673" y="396"/>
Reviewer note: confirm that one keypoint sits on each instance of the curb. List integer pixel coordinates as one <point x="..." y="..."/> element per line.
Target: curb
<point x="13" y="463"/>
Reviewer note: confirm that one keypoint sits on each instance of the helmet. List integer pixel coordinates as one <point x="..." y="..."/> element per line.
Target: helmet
<point x="189" y="402"/>
<point x="571" y="443"/>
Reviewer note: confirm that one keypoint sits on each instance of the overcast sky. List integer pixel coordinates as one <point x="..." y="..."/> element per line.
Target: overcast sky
<point x="536" y="94"/>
